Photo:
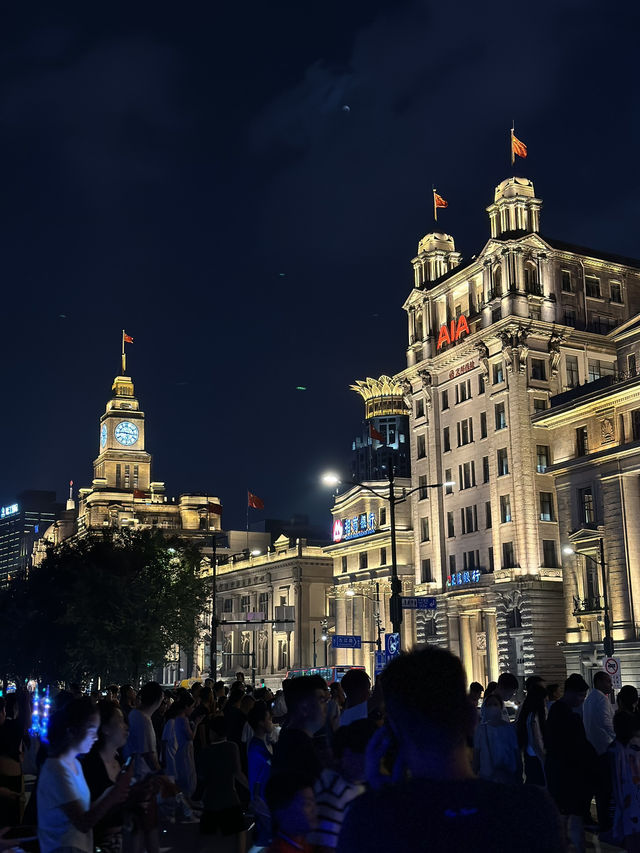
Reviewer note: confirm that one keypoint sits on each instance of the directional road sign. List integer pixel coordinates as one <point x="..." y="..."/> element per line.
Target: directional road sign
<point x="345" y="641"/>
<point x="381" y="662"/>
<point x="418" y="603"/>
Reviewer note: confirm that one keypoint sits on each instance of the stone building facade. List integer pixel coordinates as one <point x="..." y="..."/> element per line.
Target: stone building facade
<point x="594" y="431"/>
<point x="490" y="342"/>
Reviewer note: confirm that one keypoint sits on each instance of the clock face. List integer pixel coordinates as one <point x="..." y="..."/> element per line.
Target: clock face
<point x="126" y="433"/>
<point x="103" y="435"/>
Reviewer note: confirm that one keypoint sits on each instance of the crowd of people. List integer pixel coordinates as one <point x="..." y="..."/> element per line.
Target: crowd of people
<point x="417" y="763"/>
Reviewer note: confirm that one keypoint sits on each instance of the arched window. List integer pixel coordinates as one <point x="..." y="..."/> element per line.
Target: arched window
<point x="497" y="280"/>
<point x="419" y="325"/>
<point x="514" y="618"/>
<point x="530" y="277"/>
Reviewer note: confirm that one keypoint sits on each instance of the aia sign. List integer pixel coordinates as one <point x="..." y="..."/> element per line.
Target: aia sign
<point x="451" y="333"/>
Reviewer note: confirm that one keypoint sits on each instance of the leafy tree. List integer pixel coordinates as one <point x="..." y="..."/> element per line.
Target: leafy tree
<point x="111" y="605"/>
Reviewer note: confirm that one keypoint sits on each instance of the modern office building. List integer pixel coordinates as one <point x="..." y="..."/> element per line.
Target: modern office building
<point x="384" y="441"/>
<point x="22" y="522"/>
<point x="594" y="432"/>
<point x="491" y="341"/>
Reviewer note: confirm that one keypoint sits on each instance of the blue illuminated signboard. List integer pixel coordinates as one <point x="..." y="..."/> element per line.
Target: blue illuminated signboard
<point x="5" y="511"/>
<point x="464" y="578"/>
<point x="355" y="527"/>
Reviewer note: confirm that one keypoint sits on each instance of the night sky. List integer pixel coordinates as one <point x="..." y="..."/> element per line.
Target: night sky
<point x="189" y="172"/>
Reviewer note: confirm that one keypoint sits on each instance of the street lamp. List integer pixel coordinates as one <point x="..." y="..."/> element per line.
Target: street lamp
<point x="395" y="602"/>
<point x="608" y="639"/>
<point x="379" y="629"/>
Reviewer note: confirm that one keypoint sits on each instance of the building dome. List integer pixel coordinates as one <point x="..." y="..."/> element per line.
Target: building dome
<point x="515" y="208"/>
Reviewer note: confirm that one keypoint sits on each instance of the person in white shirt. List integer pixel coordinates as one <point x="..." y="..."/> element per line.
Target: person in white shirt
<point x="65" y="815"/>
<point x="597" y="716"/>
<point x="357" y="688"/>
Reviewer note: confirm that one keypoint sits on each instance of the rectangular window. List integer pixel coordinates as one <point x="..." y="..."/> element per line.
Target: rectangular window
<point x="586" y="506"/>
<point x="465" y="432"/>
<point x="424" y="529"/>
<point x="423" y="490"/>
<point x="383" y="556"/>
<point x="565" y="276"/>
<point x="481" y="383"/>
<point x="363" y="560"/>
<point x="582" y="441"/>
<point x="263" y="603"/>
<point x="471" y="560"/>
<point x="549" y="559"/>
<point x="498" y="373"/>
<point x="383" y="515"/>
<point x="227" y="605"/>
<point x="491" y="563"/>
<point x="343" y="563"/>
<point x="616" y="292"/>
<point x="245" y="603"/>
<point x="501" y="418"/>
<point x="542" y="458"/>
<point x="118" y="475"/>
<point x="419" y="408"/>
<point x="451" y="530"/>
<point x="448" y="490"/>
<point x="421" y="447"/>
<point x="483" y="424"/>
<point x="463" y="391"/>
<point x="469" y="519"/>
<point x="570" y="317"/>
<point x="546" y="507"/>
<point x="631" y="364"/>
<point x="136" y="475"/>
<point x="446" y="440"/>
<point x="505" y="509"/>
<point x="598" y="369"/>
<point x="538" y="368"/>
<point x="539" y="404"/>
<point x="445" y="400"/>
<point x="425" y="571"/>
<point x="593" y="286"/>
<point x="488" y="520"/>
<point x="485" y="469"/>
<point x="466" y="475"/>
<point x="508" y="558"/>
<point x="571" y="367"/>
<point x="503" y="462"/>
<point x="452" y="564"/>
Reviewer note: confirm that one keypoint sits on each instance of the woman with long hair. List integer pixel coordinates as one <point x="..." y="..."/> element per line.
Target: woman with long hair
<point x="66" y="816"/>
<point x="530" y="727"/>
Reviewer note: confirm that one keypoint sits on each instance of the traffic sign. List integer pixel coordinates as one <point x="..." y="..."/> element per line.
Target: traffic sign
<point x="418" y="602"/>
<point x="612" y="667"/>
<point x="346" y="641"/>
<point x="381" y="662"/>
<point x="392" y="644"/>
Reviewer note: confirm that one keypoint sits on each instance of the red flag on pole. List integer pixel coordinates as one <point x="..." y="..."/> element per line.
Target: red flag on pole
<point x="128" y="339"/>
<point x="216" y="509"/>
<point x="255" y="502"/>
<point x="374" y="433"/>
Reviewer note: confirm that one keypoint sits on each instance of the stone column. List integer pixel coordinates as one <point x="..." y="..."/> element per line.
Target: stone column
<point x="493" y="670"/>
<point x="630" y="512"/>
<point x="466" y="647"/>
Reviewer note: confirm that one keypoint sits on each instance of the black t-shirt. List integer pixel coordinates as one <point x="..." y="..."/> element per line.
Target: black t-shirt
<point x="97" y="778"/>
<point x="295" y="753"/>
<point x="11" y="739"/>
<point x="468" y="815"/>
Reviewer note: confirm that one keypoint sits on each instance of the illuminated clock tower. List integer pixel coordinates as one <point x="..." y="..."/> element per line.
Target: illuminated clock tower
<point x="122" y="462"/>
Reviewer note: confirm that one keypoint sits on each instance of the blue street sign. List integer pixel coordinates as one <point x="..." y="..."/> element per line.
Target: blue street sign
<point x="392" y="644"/>
<point x="418" y="603"/>
<point x="345" y="641"/>
<point x="381" y="662"/>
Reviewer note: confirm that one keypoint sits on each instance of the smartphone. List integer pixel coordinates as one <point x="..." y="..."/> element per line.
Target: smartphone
<point x="127" y="763"/>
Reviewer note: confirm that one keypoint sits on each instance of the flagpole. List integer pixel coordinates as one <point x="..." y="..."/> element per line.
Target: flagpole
<point x="124" y="358"/>
<point x="435" y="207"/>
<point x="513" y="156"/>
<point x="248" y="493"/>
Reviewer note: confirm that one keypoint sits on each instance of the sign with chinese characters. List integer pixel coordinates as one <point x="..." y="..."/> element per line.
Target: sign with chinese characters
<point x="419" y="603"/>
<point x="346" y="641"/>
<point x="464" y="578"/>
<point x="465" y="368"/>
<point x="449" y="334"/>
<point x="354" y="527"/>
<point x="5" y="511"/>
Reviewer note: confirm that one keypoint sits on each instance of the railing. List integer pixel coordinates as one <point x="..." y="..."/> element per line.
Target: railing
<point x="593" y="604"/>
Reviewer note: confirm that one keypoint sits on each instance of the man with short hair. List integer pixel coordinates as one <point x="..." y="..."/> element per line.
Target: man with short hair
<point x="437" y="803"/>
<point x="293" y="812"/>
<point x="306" y="699"/>
<point x="506" y="690"/>
<point x="597" y="716"/>
<point x="240" y="676"/>
<point x="357" y="689"/>
<point x="475" y="693"/>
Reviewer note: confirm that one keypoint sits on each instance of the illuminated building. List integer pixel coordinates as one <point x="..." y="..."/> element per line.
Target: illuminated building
<point x="491" y="340"/>
<point x="361" y="534"/>
<point x="22" y="522"/>
<point x="594" y="430"/>
<point x="386" y="413"/>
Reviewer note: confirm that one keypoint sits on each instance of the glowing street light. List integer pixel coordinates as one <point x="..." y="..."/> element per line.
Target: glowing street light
<point x="331" y="479"/>
<point x="608" y="639"/>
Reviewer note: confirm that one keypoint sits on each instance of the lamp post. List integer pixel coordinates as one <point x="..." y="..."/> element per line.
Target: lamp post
<point x="395" y="601"/>
<point x="608" y="639"/>
<point x="379" y="629"/>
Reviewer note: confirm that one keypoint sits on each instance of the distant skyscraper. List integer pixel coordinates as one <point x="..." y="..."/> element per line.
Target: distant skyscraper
<point x="384" y="441"/>
<point x="22" y="522"/>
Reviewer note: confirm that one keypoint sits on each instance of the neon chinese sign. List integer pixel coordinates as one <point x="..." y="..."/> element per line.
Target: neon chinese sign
<point x="464" y="578"/>
<point x="12" y="509"/>
<point x="355" y="527"/>
<point x="449" y="334"/>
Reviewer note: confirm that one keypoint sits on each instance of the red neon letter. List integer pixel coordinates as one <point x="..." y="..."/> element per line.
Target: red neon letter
<point x="443" y="337"/>
<point x="462" y="326"/>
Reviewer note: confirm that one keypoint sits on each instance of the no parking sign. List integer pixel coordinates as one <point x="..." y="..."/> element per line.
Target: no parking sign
<point x="612" y="667"/>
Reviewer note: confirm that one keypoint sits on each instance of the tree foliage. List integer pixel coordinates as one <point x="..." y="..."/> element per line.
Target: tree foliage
<point x="111" y="606"/>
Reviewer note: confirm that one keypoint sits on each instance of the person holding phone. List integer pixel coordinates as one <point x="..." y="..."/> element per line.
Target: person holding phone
<point x="66" y="816"/>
